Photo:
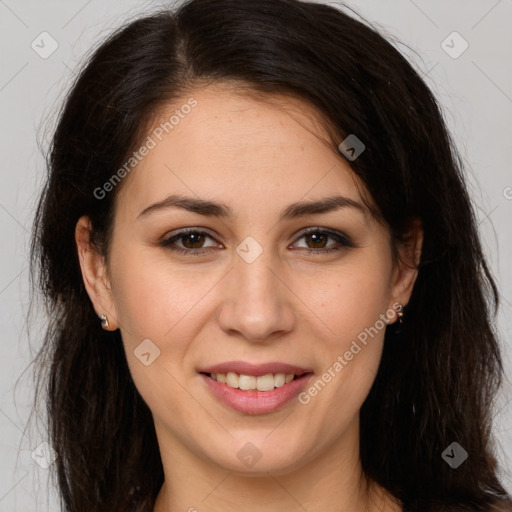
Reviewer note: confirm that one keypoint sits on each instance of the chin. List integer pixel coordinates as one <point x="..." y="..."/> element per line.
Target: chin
<point x="256" y="457"/>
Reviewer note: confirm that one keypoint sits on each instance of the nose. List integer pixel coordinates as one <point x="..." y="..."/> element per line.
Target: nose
<point x="256" y="302"/>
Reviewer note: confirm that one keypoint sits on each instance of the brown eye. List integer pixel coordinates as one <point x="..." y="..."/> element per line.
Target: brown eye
<point x="316" y="240"/>
<point x="192" y="242"/>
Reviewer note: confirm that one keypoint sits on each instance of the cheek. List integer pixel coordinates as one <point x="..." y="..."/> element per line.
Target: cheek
<point x="363" y="300"/>
<point x="348" y="300"/>
<point x="152" y="300"/>
<point x="152" y="297"/>
<point x="350" y="304"/>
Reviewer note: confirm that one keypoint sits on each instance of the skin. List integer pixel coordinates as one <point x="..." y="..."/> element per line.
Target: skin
<point x="288" y="305"/>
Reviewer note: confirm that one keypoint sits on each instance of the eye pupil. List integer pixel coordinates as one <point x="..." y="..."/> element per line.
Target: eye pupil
<point x="318" y="238"/>
<point x="197" y="240"/>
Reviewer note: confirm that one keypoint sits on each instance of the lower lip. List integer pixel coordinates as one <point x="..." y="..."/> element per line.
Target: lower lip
<point x="257" y="402"/>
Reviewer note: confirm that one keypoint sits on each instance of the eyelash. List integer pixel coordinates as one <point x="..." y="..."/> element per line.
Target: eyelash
<point x="342" y="241"/>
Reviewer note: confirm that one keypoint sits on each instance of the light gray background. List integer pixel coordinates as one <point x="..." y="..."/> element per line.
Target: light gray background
<point x="475" y="90"/>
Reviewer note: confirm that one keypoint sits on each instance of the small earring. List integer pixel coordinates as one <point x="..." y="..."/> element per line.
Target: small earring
<point x="400" y="314"/>
<point x="104" y="321"/>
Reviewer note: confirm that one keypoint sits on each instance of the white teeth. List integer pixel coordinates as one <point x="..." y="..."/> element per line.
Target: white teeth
<point x="280" y="379"/>
<point x="232" y="379"/>
<point x="249" y="382"/>
<point x="265" y="382"/>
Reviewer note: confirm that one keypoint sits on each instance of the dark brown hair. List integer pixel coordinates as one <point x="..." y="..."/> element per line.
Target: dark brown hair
<point x="438" y="375"/>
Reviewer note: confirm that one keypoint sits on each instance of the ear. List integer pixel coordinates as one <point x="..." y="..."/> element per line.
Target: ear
<point x="94" y="273"/>
<point x="406" y="270"/>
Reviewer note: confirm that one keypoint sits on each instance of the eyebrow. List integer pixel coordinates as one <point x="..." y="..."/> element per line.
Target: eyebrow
<point x="218" y="209"/>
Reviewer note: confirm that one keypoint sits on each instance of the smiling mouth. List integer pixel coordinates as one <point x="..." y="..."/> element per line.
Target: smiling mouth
<point x="263" y="393"/>
<point x="243" y="382"/>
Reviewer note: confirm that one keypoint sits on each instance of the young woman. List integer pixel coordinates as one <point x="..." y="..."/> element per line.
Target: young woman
<point x="265" y="285"/>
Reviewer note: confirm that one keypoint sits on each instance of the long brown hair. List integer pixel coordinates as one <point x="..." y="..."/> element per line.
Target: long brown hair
<point x="438" y="375"/>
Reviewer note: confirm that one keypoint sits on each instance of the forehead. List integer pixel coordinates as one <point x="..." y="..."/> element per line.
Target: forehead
<point x="276" y="147"/>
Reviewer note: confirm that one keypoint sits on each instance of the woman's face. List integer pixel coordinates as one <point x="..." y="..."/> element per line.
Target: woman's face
<point x="248" y="293"/>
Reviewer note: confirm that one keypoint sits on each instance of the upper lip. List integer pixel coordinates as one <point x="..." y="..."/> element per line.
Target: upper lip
<point x="256" y="370"/>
